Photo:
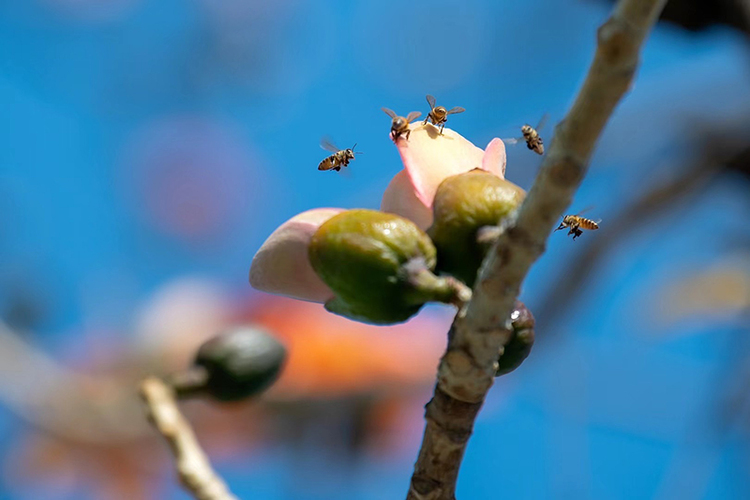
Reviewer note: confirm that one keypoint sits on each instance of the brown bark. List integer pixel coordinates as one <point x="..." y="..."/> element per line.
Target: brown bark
<point x="482" y="328"/>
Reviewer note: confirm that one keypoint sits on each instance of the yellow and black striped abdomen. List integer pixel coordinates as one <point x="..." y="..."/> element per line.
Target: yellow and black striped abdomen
<point x="326" y="164"/>
<point x="587" y="224"/>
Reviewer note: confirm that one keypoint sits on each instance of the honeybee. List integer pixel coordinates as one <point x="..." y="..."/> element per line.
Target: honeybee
<point x="438" y="115"/>
<point x="339" y="158"/>
<point x="399" y="124"/>
<point x="531" y="136"/>
<point x="576" y="223"/>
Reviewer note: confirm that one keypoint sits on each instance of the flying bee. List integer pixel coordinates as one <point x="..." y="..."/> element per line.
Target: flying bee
<point x="576" y="223"/>
<point x="531" y="136"/>
<point x="339" y="158"/>
<point x="399" y="124"/>
<point x="438" y="115"/>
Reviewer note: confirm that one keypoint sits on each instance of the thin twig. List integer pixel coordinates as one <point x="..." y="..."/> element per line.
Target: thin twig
<point x="481" y="329"/>
<point x="193" y="467"/>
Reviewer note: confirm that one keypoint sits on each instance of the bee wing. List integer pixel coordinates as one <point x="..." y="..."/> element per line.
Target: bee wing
<point x="585" y="210"/>
<point x="389" y="112"/>
<point x="513" y="140"/>
<point x="457" y="109"/>
<point x="328" y="145"/>
<point x="430" y="101"/>
<point x="542" y="122"/>
<point x="413" y="116"/>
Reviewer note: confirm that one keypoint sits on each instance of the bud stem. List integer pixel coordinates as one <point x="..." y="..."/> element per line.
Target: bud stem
<point x="446" y="289"/>
<point x="189" y="383"/>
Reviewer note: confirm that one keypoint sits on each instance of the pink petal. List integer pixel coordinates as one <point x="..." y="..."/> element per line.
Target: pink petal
<point x="494" y="159"/>
<point x="429" y="158"/>
<point x="282" y="267"/>
<point x="400" y="199"/>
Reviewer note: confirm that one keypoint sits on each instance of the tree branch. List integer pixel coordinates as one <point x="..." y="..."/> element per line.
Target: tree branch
<point x="481" y="329"/>
<point x="193" y="467"/>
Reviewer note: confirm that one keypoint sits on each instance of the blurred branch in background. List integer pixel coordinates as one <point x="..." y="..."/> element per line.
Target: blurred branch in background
<point x="69" y="404"/>
<point x="192" y="464"/>
<point x="723" y="149"/>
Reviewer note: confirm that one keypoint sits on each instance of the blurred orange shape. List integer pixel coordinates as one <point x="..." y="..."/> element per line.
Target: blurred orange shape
<point x="331" y="356"/>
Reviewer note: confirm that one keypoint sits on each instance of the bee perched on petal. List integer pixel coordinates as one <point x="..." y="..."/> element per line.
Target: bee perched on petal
<point x="339" y="158"/>
<point x="575" y="223"/>
<point x="531" y="136"/>
<point x="399" y="124"/>
<point x="438" y="115"/>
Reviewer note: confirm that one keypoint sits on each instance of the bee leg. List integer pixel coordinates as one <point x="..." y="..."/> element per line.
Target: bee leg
<point x="408" y="131"/>
<point x="442" y="126"/>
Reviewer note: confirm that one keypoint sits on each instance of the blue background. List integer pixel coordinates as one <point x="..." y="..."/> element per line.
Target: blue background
<point x="92" y="94"/>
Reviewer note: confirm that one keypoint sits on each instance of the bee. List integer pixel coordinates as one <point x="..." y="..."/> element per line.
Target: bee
<point x="438" y="115"/>
<point x="339" y="158"/>
<point x="399" y="124"/>
<point x="576" y="223"/>
<point x="531" y="136"/>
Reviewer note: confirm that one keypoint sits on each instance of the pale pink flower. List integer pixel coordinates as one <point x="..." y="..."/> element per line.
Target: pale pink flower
<point x="428" y="160"/>
<point x="282" y="267"/>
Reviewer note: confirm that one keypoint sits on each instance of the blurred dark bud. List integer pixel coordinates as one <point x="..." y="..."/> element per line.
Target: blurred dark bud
<point x="519" y="347"/>
<point x="234" y="365"/>
<point x="697" y="15"/>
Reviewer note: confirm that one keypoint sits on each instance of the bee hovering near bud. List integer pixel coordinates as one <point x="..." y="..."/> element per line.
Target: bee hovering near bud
<point x="339" y="158"/>
<point x="531" y="136"/>
<point x="438" y="115"/>
<point x="399" y="124"/>
<point x="576" y="223"/>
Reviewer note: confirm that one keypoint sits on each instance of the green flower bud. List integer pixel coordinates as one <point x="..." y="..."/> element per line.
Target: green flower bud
<point x="463" y="205"/>
<point x="379" y="266"/>
<point x="233" y="365"/>
<point x="519" y="346"/>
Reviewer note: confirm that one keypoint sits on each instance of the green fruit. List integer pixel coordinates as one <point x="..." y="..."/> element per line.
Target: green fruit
<point x="378" y="266"/>
<point x="520" y="344"/>
<point x="239" y="363"/>
<point x="463" y="204"/>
